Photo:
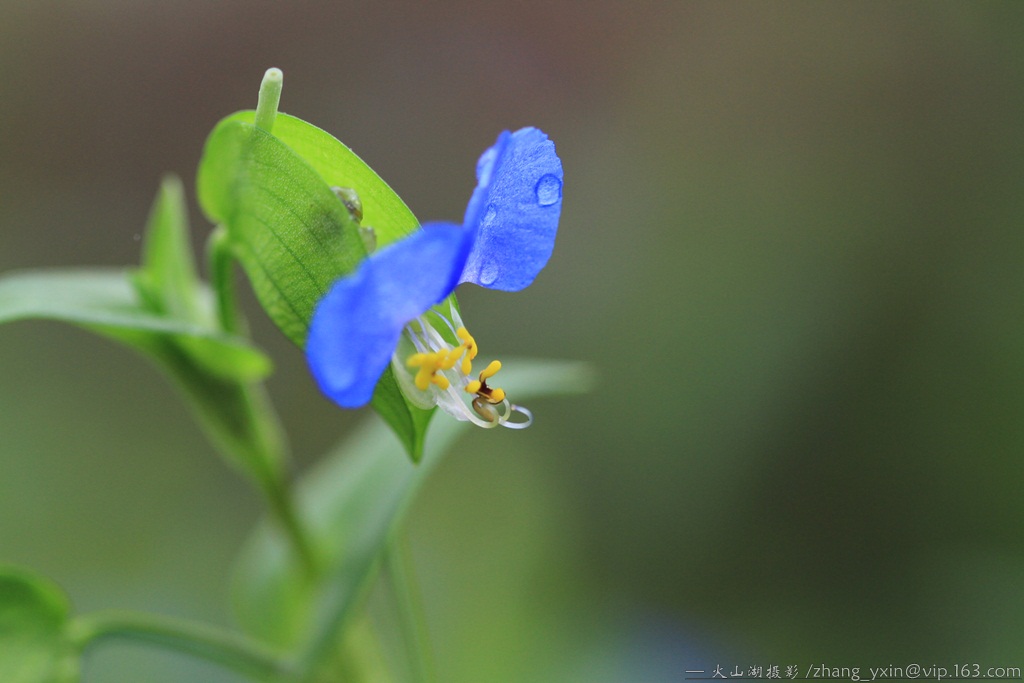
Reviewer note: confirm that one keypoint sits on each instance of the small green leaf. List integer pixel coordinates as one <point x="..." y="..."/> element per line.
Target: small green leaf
<point x="168" y="277"/>
<point x="292" y="233"/>
<point x="34" y="642"/>
<point x="353" y="501"/>
<point x="170" y="287"/>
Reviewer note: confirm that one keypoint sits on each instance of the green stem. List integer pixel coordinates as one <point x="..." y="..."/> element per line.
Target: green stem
<point x="220" y="263"/>
<point x="274" y="485"/>
<point x="282" y="506"/>
<point x="267" y="446"/>
<point x="399" y="569"/>
<point x="227" y="648"/>
<point x="270" y="98"/>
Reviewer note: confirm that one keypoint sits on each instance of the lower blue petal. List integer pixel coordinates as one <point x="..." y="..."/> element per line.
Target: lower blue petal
<point x="514" y="211"/>
<point x="357" y="325"/>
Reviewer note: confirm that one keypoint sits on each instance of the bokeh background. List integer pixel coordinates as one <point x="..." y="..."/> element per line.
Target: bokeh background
<point x="791" y="244"/>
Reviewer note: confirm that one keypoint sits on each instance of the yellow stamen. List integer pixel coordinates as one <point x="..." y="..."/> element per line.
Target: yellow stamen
<point x="448" y="359"/>
<point x="422" y="380"/>
<point x="479" y="387"/>
<point x="432" y="364"/>
<point x="429" y="364"/>
<point x="469" y="344"/>
<point x="467" y="339"/>
<point x="491" y="370"/>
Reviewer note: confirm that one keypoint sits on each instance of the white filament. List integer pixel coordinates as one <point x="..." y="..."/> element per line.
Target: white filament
<point x="421" y="335"/>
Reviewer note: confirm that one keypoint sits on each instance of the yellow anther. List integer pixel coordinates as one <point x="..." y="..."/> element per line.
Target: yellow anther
<point x="491" y="370"/>
<point x="467" y="340"/>
<point x="469" y="345"/>
<point x="432" y="363"/>
<point x="479" y="387"/>
<point x="429" y="364"/>
<point x="424" y="377"/>
<point x="448" y="358"/>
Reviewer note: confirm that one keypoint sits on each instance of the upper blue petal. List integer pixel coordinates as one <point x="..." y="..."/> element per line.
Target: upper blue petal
<point x="356" y="326"/>
<point x="514" y="211"/>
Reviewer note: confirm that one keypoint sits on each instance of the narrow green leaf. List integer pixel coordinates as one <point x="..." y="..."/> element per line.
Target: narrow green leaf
<point x="213" y="370"/>
<point x="107" y="301"/>
<point x="168" y="277"/>
<point x="169" y="285"/>
<point x="353" y="500"/>
<point x="34" y="642"/>
<point x="293" y="235"/>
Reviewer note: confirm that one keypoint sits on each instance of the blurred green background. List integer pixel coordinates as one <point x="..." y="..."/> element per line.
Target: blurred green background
<point x="791" y="243"/>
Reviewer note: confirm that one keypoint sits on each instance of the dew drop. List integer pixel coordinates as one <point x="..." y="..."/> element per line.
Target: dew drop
<point x="489" y="273"/>
<point x="549" y="190"/>
<point x="489" y="215"/>
<point x="350" y="198"/>
<point x="369" y="237"/>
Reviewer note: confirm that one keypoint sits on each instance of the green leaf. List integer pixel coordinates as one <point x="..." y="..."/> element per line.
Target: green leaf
<point x="236" y="416"/>
<point x="34" y="642"/>
<point x="107" y="301"/>
<point x="168" y="277"/>
<point x="164" y="311"/>
<point x="353" y="501"/>
<point x="292" y="234"/>
<point x="339" y="166"/>
<point x="170" y="287"/>
<point x="213" y="369"/>
<point x="408" y="422"/>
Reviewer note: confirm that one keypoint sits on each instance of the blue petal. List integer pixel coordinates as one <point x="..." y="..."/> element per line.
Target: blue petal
<point x="514" y="211"/>
<point x="356" y="326"/>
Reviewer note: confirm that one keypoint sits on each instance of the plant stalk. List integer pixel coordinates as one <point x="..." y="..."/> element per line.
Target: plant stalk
<point x="220" y="261"/>
<point x="409" y="603"/>
<point x="229" y="649"/>
<point x="268" y="441"/>
<point x="282" y="508"/>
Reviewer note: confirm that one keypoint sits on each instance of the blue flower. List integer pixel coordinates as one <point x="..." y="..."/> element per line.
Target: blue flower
<point x="384" y="312"/>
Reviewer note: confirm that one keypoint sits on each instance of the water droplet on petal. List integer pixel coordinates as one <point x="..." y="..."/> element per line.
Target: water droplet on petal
<point x="549" y="190"/>
<point x="489" y="215"/>
<point x="489" y="273"/>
